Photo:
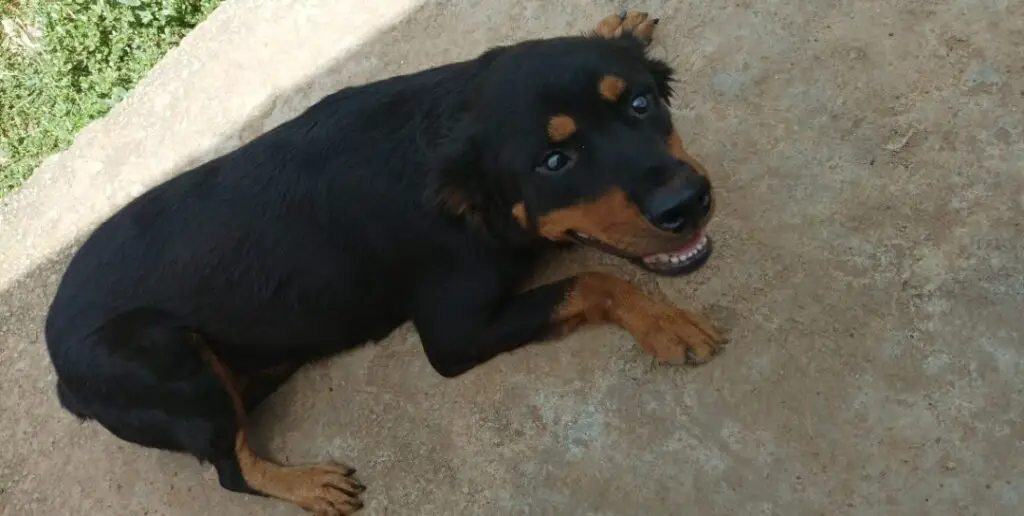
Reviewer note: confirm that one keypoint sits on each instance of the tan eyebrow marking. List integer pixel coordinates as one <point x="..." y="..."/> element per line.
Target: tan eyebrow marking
<point x="611" y="87"/>
<point x="560" y="128"/>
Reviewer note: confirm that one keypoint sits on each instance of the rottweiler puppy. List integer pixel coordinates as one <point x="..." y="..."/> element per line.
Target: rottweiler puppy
<point x="427" y="197"/>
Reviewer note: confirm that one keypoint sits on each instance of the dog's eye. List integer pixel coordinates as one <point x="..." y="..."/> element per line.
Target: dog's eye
<point x="554" y="162"/>
<point x="641" y="104"/>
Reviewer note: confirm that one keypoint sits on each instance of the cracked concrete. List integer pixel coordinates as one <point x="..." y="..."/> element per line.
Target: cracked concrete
<point x="869" y="265"/>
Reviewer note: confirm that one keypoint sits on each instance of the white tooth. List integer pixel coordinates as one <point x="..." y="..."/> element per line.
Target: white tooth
<point x="675" y="259"/>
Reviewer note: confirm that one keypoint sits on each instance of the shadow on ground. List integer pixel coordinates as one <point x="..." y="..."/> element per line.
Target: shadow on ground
<point x="868" y="267"/>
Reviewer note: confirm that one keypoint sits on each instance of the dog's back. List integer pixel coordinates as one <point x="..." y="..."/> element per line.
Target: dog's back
<point x="321" y="205"/>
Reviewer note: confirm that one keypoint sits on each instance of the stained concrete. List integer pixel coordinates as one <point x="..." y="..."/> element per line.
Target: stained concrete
<point x="869" y="267"/>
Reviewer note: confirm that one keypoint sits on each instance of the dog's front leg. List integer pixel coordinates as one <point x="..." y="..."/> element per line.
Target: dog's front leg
<point x="464" y="322"/>
<point x="670" y="334"/>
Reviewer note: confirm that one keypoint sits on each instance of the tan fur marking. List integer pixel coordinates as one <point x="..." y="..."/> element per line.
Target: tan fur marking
<point x="609" y="214"/>
<point x="560" y="128"/>
<point x="611" y="87"/>
<point x="675" y="147"/>
<point x="612" y="219"/>
<point x="666" y="332"/>
<point x="320" y="489"/>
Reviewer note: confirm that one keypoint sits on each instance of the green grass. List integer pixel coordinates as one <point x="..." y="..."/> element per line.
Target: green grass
<point x="90" y="54"/>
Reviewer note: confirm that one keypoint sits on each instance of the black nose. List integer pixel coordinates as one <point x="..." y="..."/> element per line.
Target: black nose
<point x="680" y="205"/>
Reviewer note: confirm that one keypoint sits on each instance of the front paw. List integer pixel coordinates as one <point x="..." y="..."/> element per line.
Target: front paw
<point x="678" y="336"/>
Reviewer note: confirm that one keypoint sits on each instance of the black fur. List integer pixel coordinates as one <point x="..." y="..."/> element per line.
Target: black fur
<point x="380" y="204"/>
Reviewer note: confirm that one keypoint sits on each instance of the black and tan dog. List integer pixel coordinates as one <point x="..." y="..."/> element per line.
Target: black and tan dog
<point x="428" y="197"/>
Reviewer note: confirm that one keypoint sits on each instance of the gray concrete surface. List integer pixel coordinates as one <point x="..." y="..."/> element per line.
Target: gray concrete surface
<point x="869" y="157"/>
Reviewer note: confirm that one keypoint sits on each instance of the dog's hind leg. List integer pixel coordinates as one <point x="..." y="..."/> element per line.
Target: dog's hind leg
<point x="140" y="375"/>
<point x="153" y="382"/>
<point x="326" y="489"/>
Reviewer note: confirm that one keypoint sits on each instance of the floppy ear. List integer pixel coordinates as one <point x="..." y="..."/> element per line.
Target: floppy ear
<point x="461" y="187"/>
<point x="456" y="184"/>
<point x="453" y="185"/>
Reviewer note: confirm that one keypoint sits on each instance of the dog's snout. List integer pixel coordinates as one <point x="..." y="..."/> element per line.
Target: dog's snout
<point x="680" y="205"/>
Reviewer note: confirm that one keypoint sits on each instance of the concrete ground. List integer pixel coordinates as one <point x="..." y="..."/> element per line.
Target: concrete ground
<point x="869" y="267"/>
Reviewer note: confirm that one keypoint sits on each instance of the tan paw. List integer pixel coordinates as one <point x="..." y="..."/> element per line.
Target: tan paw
<point x="678" y="336"/>
<point x="639" y="24"/>
<point x="326" y="490"/>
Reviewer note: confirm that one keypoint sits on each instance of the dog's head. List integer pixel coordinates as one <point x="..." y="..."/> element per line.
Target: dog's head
<point x="571" y="139"/>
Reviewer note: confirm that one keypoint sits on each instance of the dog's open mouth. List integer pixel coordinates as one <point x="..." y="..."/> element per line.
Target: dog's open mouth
<point x="688" y="258"/>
